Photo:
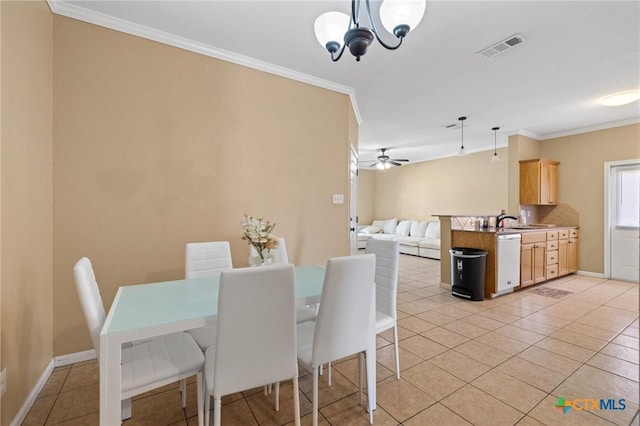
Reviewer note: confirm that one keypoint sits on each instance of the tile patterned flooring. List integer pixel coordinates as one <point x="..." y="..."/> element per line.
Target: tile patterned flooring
<point x="497" y="362"/>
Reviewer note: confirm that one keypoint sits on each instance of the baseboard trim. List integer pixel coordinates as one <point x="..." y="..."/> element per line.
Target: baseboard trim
<point x="590" y="274"/>
<point x="75" y="357"/>
<point x="28" y="403"/>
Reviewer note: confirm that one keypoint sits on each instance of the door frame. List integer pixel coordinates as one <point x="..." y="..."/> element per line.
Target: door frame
<point x="608" y="168"/>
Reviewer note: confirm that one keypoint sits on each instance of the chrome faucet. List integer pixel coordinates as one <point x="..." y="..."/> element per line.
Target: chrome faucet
<point x="502" y="217"/>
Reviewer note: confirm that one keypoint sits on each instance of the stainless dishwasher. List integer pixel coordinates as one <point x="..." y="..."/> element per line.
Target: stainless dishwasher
<point x="508" y="263"/>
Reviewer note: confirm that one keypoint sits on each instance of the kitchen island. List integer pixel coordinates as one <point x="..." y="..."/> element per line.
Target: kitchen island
<point x="547" y="251"/>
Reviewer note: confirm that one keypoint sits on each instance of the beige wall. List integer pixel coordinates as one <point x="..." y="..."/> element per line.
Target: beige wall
<point x="155" y="147"/>
<point x="26" y="198"/>
<point x="457" y="185"/>
<point x="581" y="181"/>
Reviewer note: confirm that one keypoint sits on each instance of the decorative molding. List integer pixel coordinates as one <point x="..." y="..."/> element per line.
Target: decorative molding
<point x="597" y="127"/>
<point x="28" y="403"/>
<point x="76" y="12"/>
<point x="75" y="357"/>
<point x="591" y="274"/>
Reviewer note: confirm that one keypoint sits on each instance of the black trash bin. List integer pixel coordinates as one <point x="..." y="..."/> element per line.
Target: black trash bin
<point x="467" y="272"/>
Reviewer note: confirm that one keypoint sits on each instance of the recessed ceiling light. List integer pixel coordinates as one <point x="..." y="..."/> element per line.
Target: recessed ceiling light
<point x="621" y="98"/>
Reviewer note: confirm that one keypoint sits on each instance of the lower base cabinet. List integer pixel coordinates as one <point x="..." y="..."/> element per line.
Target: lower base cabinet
<point x="537" y="264"/>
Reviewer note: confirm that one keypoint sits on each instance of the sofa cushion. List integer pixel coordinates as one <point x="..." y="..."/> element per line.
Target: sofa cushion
<point x="390" y="226"/>
<point x="433" y="231"/>
<point x="418" y="228"/>
<point x="370" y="230"/>
<point x="430" y="243"/>
<point x="409" y="241"/>
<point x="378" y="223"/>
<point x="403" y="228"/>
<point x="386" y="237"/>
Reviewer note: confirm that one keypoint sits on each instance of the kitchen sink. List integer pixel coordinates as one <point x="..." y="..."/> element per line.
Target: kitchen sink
<point x="534" y="226"/>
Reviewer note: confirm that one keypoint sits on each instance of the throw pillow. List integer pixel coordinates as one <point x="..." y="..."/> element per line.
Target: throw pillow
<point x="390" y="226"/>
<point x="420" y="229"/>
<point x="433" y="231"/>
<point x="370" y="230"/>
<point x="403" y="228"/>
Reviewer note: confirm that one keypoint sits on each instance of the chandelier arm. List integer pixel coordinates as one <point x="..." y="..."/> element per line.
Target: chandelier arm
<point x="336" y="59"/>
<point x="355" y="13"/>
<point x="375" y="31"/>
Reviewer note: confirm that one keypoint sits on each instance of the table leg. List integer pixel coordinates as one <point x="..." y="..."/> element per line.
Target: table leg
<point x="110" y="380"/>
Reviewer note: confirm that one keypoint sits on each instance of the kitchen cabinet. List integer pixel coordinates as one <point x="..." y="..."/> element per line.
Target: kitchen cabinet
<point x="539" y="182"/>
<point x="533" y="258"/>
<point x="567" y="252"/>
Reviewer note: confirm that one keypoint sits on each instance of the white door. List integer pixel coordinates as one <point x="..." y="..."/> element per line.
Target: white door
<point x="624" y="220"/>
<point x="353" y="202"/>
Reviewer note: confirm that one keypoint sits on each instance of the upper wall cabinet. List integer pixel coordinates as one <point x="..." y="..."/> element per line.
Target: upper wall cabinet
<point x="539" y="182"/>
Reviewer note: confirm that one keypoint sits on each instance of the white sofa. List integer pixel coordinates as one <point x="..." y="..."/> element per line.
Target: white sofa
<point x="419" y="238"/>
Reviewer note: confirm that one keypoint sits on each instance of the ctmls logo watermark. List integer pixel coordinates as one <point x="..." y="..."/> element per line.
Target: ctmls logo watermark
<point x="589" y="404"/>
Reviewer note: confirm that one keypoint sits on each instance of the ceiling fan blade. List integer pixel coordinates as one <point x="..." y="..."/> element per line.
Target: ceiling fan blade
<point x="399" y="159"/>
<point x="394" y="163"/>
<point x="375" y="164"/>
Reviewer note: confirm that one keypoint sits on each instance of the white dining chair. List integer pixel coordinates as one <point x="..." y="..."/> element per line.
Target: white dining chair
<point x="345" y="322"/>
<point x="303" y="313"/>
<point x="255" y="337"/>
<point x="205" y="260"/>
<point x="387" y="265"/>
<point x="146" y="365"/>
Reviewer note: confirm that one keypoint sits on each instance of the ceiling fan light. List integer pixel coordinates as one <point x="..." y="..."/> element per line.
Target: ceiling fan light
<point x="330" y="27"/>
<point x="621" y="98"/>
<point x="395" y="13"/>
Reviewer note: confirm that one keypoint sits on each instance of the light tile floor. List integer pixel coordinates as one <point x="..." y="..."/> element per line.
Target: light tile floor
<point x="497" y="362"/>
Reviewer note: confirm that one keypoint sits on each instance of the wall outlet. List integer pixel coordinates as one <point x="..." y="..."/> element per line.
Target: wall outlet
<point x="338" y="198"/>
<point x="3" y="381"/>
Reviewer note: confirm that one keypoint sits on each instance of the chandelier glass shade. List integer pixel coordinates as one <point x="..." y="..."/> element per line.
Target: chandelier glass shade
<point x="337" y="30"/>
<point x="495" y="157"/>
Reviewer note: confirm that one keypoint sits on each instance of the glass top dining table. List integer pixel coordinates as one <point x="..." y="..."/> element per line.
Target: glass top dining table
<point x="148" y="310"/>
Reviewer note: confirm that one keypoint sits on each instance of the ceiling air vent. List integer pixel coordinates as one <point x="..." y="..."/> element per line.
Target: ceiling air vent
<point x="500" y="47"/>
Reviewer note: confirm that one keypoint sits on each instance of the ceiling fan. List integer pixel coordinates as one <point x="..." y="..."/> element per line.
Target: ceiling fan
<point x="383" y="161"/>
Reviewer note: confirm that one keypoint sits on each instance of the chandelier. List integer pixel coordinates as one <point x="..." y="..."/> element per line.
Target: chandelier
<point x="397" y="16"/>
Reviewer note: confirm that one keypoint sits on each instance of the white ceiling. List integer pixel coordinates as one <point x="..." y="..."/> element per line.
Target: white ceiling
<point x="574" y="54"/>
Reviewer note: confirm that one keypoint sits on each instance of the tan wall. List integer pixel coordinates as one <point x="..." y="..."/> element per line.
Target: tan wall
<point x="366" y="196"/>
<point x="155" y="147"/>
<point x="581" y="181"/>
<point x="457" y="185"/>
<point x="26" y="198"/>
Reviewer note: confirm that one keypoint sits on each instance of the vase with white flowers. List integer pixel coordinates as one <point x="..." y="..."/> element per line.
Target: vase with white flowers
<point x="257" y="232"/>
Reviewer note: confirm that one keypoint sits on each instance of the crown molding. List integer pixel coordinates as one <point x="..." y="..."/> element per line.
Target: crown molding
<point x="597" y="127"/>
<point x="73" y="11"/>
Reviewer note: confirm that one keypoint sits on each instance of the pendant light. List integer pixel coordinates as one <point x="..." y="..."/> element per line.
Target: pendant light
<point x="495" y="158"/>
<point x="462" y="151"/>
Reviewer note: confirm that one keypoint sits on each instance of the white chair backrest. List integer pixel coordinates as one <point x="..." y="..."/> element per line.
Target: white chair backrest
<point x="387" y="265"/>
<point x="279" y="253"/>
<point x="206" y="259"/>
<point x="256" y="334"/>
<point x="90" y="299"/>
<point x="344" y="325"/>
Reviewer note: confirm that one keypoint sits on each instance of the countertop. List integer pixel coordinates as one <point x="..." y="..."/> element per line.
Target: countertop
<point x="517" y="230"/>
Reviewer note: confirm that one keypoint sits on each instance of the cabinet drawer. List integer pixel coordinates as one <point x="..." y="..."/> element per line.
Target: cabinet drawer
<point x="563" y="234"/>
<point x="533" y="237"/>
<point x="552" y="245"/>
<point x="551" y="271"/>
<point x="552" y="257"/>
<point x="573" y="233"/>
<point x="552" y="235"/>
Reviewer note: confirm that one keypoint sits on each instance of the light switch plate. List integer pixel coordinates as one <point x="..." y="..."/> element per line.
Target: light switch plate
<point x="338" y="198"/>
